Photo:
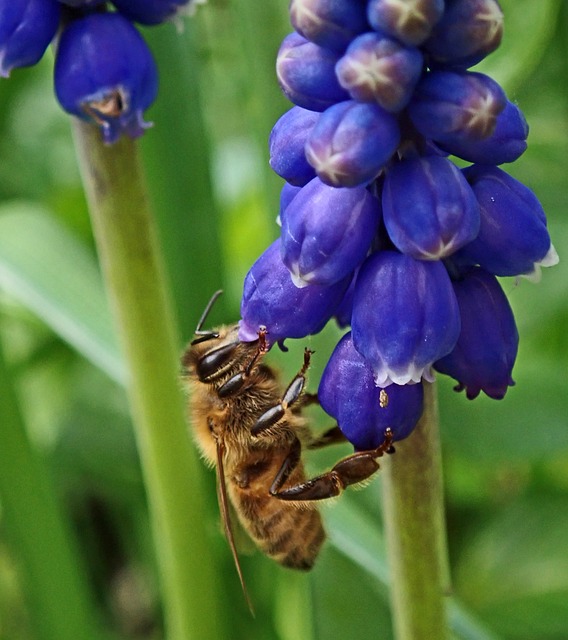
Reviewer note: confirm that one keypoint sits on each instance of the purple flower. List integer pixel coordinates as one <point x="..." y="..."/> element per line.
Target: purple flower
<point x="271" y="299"/>
<point x="351" y="142"/>
<point x="105" y="73"/>
<point x="405" y="316"/>
<point x="363" y="411"/>
<point x="82" y="3"/>
<point x="26" y="29"/>
<point x="155" y="11"/>
<point x="507" y="142"/>
<point x="379" y="69"/>
<point x="513" y="238"/>
<point x="460" y="104"/>
<point x="485" y="353"/>
<point x="306" y="74"/>
<point x="329" y="23"/>
<point x="409" y="22"/>
<point x="468" y="31"/>
<point x="344" y="310"/>
<point x="287" y="142"/>
<point x="287" y="194"/>
<point x="327" y="232"/>
<point x="429" y="208"/>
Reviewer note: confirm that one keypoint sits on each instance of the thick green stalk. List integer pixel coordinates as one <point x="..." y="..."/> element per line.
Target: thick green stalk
<point x="59" y="602"/>
<point x="135" y="281"/>
<point x="415" y="530"/>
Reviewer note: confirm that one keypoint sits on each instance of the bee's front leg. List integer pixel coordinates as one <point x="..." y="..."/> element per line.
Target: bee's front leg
<point x="351" y="470"/>
<point x="292" y="394"/>
<point x="235" y="384"/>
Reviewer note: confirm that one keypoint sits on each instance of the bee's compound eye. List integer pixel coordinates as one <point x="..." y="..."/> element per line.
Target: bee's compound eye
<point x="215" y="362"/>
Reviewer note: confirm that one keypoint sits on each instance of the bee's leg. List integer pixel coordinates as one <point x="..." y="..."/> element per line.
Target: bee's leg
<point x="292" y="394"/>
<point x="353" y="469"/>
<point x="235" y="384"/>
<point x="289" y="464"/>
<point x="309" y="398"/>
<point x="260" y="350"/>
<point x="331" y="436"/>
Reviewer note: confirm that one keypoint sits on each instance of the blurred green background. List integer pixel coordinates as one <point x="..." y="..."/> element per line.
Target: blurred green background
<point x="215" y="200"/>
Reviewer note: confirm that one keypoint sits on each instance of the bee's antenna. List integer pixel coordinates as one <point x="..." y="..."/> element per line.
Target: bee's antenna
<point x="207" y="310"/>
<point x="206" y="335"/>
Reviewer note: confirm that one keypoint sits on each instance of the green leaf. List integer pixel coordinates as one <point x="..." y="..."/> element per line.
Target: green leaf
<point x="514" y="570"/>
<point x="355" y="533"/>
<point x="528" y="424"/>
<point x="47" y="270"/>
<point x="60" y="599"/>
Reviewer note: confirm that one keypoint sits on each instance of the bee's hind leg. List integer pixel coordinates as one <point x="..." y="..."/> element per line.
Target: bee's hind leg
<point x="292" y="395"/>
<point x="351" y="470"/>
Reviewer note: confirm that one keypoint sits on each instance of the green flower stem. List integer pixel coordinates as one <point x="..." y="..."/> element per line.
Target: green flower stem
<point x="135" y="281"/>
<point x="415" y="530"/>
<point x="59" y="602"/>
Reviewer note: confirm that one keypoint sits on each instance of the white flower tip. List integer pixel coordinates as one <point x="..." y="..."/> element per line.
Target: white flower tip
<point x="551" y="259"/>
<point x="298" y="281"/>
<point x="411" y="375"/>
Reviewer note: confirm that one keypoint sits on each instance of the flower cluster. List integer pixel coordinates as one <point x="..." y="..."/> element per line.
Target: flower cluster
<point x="104" y="70"/>
<point x="379" y="227"/>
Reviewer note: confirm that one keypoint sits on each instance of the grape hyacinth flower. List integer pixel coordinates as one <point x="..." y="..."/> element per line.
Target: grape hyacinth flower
<point x="287" y="142"/>
<point x="269" y="293"/>
<point x="513" y="239"/>
<point x="306" y="73"/>
<point x="405" y="316"/>
<point x="483" y="357"/>
<point x="351" y="142"/>
<point x="327" y="232"/>
<point x="331" y="25"/>
<point x="26" y="29"/>
<point x="347" y="391"/>
<point x="379" y="69"/>
<point x="384" y="93"/>
<point x="104" y="71"/>
<point x="429" y="209"/>
<point x="151" y="12"/>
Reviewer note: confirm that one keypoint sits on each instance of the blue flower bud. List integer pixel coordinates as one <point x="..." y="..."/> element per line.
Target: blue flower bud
<point x="379" y="69"/>
<point x="468" y="31"/>
<point x="105" y="73"/>
<point x="26" y="29"/>
<point x="405" y="316"/>
<point x="364" y="411"/>
<point x="344" y="310"/>
<point x="155" y="11"/>
<point x="507" y="142"/>
<point x="327" y="232"/>
<point x="306" y="74"/>
<point x="351" y="143"/>
<point x="429" y="208"/>
<point x="485" y="353"/>
<point x="461" y="103"/>
<point x="287" y="142"/>
<point x="409" y="22"/>
<point x="513" y="238"/>
<point x="82" y="3"/>
<point x="270" y="299"/>
<point x="329" y="23"/>
<point x="287" y="194"/>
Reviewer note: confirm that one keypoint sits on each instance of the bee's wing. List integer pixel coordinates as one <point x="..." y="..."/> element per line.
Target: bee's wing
<point x="226" y="517"/>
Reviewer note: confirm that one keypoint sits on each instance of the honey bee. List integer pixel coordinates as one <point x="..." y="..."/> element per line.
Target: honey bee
<point x="252" y="430"/>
